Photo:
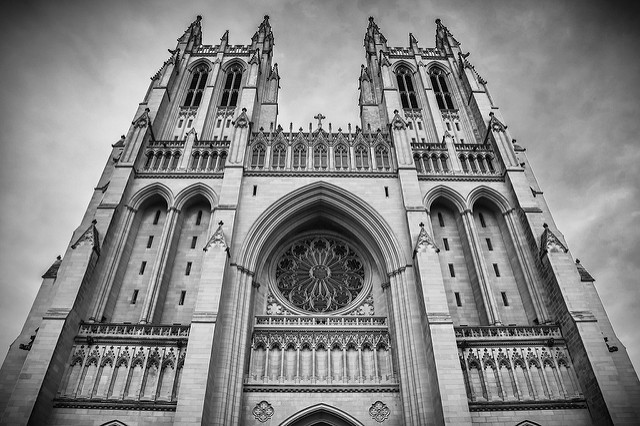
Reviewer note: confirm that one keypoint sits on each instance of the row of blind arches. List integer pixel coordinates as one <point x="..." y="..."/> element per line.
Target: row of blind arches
<point x="320" y="157"/>
<point x="438" y="163"/>
<point x="164" y="161"/>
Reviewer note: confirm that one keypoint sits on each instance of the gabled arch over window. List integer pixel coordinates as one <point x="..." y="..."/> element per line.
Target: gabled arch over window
<point x="231" y="87"/>
<point x="406" y="88"/>
<point x="440" y="88"/>
<point x="279" y="156"/>
<point x="320" y="157"/>
<point x="257" y="156"/>
<point x="196" y="87"/>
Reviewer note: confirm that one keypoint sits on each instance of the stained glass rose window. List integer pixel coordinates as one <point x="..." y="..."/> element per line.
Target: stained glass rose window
<point x="320" y="274"/>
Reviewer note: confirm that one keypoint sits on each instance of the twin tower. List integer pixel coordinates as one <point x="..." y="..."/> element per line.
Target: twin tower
<point x="405" y="271"/>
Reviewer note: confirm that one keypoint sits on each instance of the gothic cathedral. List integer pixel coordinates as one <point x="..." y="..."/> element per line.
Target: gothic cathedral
<point x="232" y="271"/>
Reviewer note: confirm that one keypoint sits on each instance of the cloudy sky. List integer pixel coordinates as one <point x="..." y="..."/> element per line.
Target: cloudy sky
<point x="566" y="76"/>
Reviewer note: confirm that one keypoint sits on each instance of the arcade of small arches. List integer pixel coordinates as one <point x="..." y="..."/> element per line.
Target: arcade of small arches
<point x="320" y="157"/>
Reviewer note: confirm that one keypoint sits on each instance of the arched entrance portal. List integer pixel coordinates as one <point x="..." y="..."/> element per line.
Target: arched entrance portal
<point x="321" y="415"/>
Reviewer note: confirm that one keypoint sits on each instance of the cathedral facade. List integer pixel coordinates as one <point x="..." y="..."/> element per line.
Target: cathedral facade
<point x="404" y="271"/>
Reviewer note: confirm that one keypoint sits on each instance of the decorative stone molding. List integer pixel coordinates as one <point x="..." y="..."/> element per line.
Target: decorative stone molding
<point x="263" y="411"/>
<point x="495" y="124"/>
<point x="242" y="120"/>
<point x="397" y="122"/>
<point x="217" y="239"/>
<point x="289" y="321"/>
<point x="90" y="236"/>
<point x="123" y="375"/>
<point x="379" y="411"/>
<point x="425" y="241"/>
<point x="583" y="316"/>
<point x="509" y="368"/>
<point x="549" y="243"/>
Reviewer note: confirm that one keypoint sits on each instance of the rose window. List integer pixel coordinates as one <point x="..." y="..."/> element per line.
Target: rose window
<point x="320" y="274"/>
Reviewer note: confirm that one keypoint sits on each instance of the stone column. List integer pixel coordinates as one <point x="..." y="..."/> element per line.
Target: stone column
<point x="196" y="386"/>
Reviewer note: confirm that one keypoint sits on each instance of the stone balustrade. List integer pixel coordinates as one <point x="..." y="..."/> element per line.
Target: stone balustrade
<point x="132" y="366"/>
<point x="517" y="366"/>
<point x="324" y="322"/>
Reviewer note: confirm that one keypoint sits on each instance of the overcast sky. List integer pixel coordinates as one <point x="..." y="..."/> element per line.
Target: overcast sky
<point x="566" y="76"/>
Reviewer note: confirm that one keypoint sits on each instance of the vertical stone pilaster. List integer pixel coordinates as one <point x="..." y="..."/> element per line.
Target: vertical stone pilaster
<point x="197" y="377"/>
<point x="450" y="392"/>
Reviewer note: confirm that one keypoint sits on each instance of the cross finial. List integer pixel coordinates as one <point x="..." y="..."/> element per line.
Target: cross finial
<point x="220" y="223"/>
<point x="319" y="117"/>
<point x="421" y="225"/>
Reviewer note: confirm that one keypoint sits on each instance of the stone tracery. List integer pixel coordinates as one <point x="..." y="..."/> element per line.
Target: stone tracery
<point x="320" y="274"/>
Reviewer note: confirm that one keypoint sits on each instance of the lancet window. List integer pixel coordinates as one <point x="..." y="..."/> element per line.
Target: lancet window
<point x="406" y="88"/>
<point x="362" y="157"/>
<point x="341" y="155"/>
<point x="299" y="157"/>
<point x="382" y="158"/>
<point x="440" y="88"/>
<point x="196" y="87"/>
<point x="257" y="156"/>
<point x="231" y="87"/>
<point x="320" y="157"/>
<point x="279" y="156"/>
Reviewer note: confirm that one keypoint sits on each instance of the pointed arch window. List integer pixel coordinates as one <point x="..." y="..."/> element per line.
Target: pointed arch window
<point x="299" y="157"/>
<point x="257" y="156"/>
<point x="382" y="158"/>
<point x="320" y="157"/>
<point x="196" y="87"/>
<point x="406" y="88"/>
<point x="440" y="88"/>
<point x="279" y="156"/>
<point x="231" y="87"/>
<point x="362" y="157"/>
<point x="341" y="157"/>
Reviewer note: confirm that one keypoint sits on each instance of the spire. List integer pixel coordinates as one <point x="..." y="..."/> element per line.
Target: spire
<point x="374" y="37"/>
<point x="264" y="35"/>
<point x="584" y="274"/>
<point x="444" y="38"/>
<point x="265" y="26"/>
<point x="412" y="40"/>
<point x="193" y="33"/>
<point x="224" y="40"/>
